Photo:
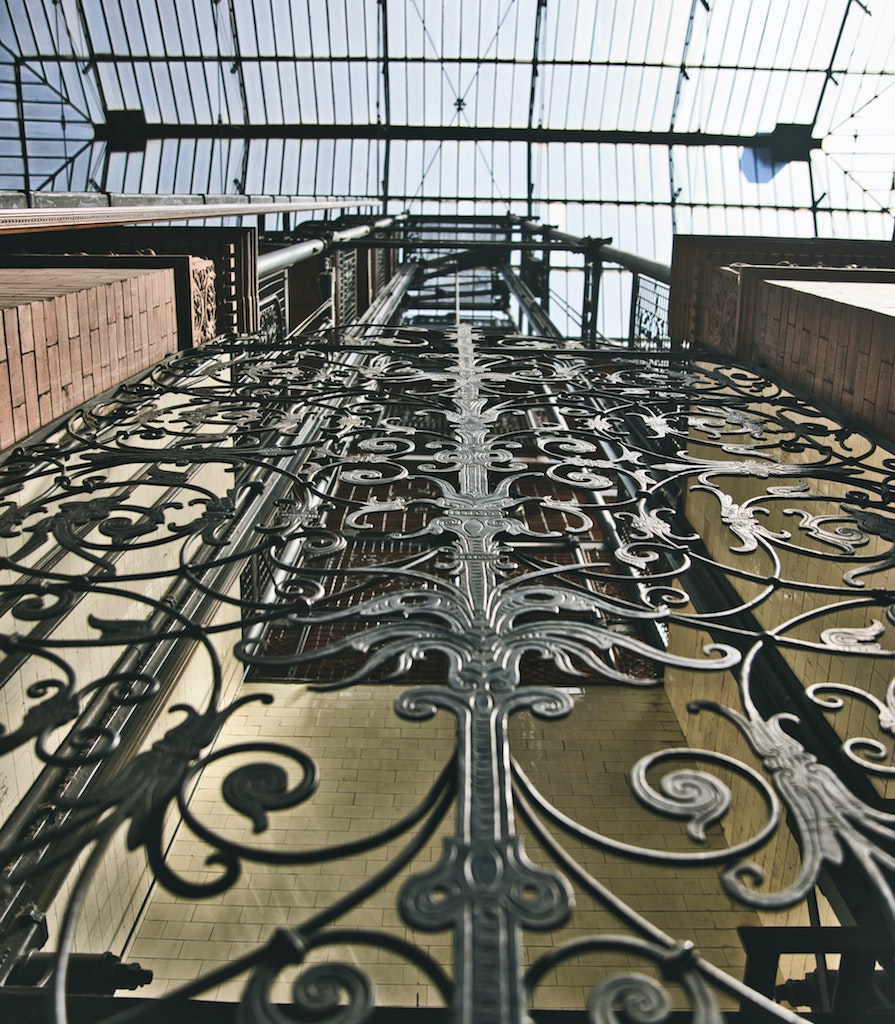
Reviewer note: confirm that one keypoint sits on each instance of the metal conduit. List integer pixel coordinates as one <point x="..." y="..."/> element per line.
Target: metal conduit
<point x="270" y="263"/>
<point x="380" y="312"/>
<point x="608" y="253"/>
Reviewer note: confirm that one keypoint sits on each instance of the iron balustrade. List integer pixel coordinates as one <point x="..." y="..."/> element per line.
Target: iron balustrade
<point x="552" y="513"/>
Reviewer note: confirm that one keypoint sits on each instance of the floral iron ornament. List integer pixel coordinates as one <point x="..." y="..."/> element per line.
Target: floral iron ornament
<point x="535" y="506"/>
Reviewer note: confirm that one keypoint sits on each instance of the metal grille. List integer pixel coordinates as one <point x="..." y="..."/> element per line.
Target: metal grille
<point x="382" y="257"/>
<point x="272" y="316"/>
<point x="649" y="313"/>
<point x="346" y="286"/>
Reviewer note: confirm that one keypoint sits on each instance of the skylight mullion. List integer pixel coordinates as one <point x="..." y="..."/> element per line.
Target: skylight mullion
<point x="372" y="105"/>
<point x="259" y="71"/>
<point x="202" y="69"/>
<point x="194" y="170"/>
<point x="294" y="63"/>
<point x="157" y="67"/>
<point x="574" y="33"/>
<point x="313" y="70"/>
<point x="441" y="106"/>
<point x="330" y="65"/>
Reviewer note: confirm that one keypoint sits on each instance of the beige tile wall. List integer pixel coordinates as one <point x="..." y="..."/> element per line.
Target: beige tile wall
<point x="115" y="897"/>
<point x="68" y="335"/>
<point x="374" y="768"/>
<point x="819" y="565"/>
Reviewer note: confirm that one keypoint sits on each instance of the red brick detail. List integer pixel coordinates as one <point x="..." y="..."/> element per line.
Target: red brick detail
<point x="75" y="334"/>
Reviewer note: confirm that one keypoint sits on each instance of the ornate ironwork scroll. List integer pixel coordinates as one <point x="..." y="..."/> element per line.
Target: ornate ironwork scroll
<point x="204" y="298"/>
<point x="619" y="520"/>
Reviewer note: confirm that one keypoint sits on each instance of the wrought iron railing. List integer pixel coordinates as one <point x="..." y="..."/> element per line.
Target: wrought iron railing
<point x="648" y="324"/>
<point x="686" y="565"/>
<point x="273" y="298"/>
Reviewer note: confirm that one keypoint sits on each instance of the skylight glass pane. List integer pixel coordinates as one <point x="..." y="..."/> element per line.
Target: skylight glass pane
<point x="149" y="167"/>
<point x="200" y="90"/>
<point x="184" y="181"/>
<point x="324" y="93"/>
<point x="193" y="20"/>
<point x="285" y="87"/>
<point x="149" y="39"/>
<point x="307" y="172"/>
<point x="734" y="69"/>
<point x="110" y="84"/>
<point x="362" y="32"/>
<point x="271" y="75"/>
<point x="514" y="39"/>
<point x="158" y="88"/>
<point x="320" y="38"/>
<point x="273" y="171"/>
<point x="264" y="34"/>
<point x="255" y="167"/>
<point x="324" y="169"/>
<point x="346" y="105"/>
<point x="307" y="92"/>
<point x="299" y="26"/>
<point x="655" y="99"/>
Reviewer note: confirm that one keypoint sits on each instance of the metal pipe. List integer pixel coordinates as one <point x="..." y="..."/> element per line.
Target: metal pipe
<point x="380" y="312"/>
<point x="270" y="263"/>
<point x="602" y="251"/>
<point x="636" y="264"/>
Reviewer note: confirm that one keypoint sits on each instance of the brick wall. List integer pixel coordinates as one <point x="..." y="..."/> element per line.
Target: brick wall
<point x="825" y="338"/>
<point x="801" y="309"/>
<point x="68" y="335"/>
<point x="703" y="305"/>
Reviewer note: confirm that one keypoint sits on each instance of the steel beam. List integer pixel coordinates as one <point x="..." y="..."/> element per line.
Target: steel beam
<point x="55" y="217"/>
<point x="528" y="302"/>
<point x="532" y="93"/>
<point x="437" y="133"/>
<point x="500" y="246"/>
<point x="387" y="103"/>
